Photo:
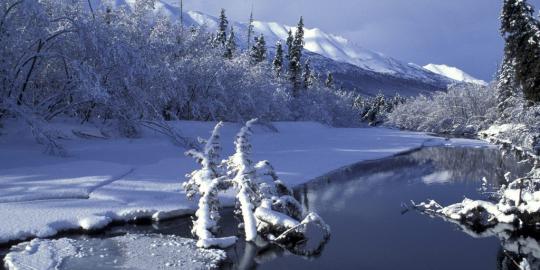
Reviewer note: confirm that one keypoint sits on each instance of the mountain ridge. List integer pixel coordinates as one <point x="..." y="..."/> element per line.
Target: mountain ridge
<point x="355" y="67"/>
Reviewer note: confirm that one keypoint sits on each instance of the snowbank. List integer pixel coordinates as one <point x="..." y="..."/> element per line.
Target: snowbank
<point x="125" y="179"/>
<point x="126" y="252"/>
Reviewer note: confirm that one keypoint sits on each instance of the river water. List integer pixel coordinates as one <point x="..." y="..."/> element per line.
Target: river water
<point x="373" y="227"/>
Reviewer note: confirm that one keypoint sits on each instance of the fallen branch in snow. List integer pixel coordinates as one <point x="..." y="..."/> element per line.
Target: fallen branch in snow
<point x="169" y="131"/>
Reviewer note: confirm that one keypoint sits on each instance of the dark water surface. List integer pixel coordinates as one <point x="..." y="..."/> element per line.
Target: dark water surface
<point x="372" y="228"/>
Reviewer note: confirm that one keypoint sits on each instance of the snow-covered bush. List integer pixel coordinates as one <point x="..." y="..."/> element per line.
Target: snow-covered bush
<point x="127" y="66"/>
<point x="464" y="109"/>
<point x="375" y="110"/>
<point x="265" y="204"/>
<point x="518" y="203"/>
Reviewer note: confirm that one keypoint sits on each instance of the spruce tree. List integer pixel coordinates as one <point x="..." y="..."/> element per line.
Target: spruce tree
<point x="507" y="88"/>
<point x="258" y="51"/>
<point x="307" y="75"/>
<point x="182" y="14"/>
<point x="521" y="32"/>
<point x="278" y="59"/>
<point x="250" y="28"/>
<point x="329" y="80"/>
<point x="289" y="42"/>
<point x="295" y="57"/>
<point x="221" y="37"/>
<point x="230" y="47"/>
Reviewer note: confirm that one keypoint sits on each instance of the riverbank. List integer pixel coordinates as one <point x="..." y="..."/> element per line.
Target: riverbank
<point x="106" y="180"/>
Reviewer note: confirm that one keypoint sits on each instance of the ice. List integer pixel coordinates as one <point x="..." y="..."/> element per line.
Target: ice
<point x="126" y="252"/>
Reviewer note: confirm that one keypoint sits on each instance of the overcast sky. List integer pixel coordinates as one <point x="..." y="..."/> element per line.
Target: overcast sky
<point x="461" y="33"/>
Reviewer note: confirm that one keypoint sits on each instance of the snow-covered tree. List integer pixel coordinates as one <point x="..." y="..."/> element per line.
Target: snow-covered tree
<point x="242" y="172"/>
<point x="289" y="42"/>
<point x="207" y="182"/>
<point x="264" y="202"/>
<point x="258" y="52"/>
<point x="295" y="57"/>
<point x="307" y="75"/>
<point x="124" y="68"/>
<point x="507" y="89"/>
<point x="223" y="25"/>
<point x="521" y="32"/>
<point x="277" y="63"/>
<point x="230" y="47"/>
<point x="329" y="80"/>
<point x="250" y="32"/>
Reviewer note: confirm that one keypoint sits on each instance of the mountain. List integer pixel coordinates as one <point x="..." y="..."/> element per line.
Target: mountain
<point x="454" y="73"/>
<point x="354" y="67"/>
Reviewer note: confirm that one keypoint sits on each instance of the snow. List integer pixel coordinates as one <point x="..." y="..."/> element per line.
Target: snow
<point x="126" y="252"/>
<point x="125" y="179"/>
<point x="275" y="218"/>
<point x="331" y="46"/>
<point x="454" y="73"/>
<point x="40" y="254"/>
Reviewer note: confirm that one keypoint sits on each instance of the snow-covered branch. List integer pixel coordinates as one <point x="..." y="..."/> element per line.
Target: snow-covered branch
<point x="266" y="205"/>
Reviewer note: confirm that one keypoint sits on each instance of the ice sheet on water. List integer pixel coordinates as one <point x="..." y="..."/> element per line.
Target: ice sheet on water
<point x="132" y="251"/>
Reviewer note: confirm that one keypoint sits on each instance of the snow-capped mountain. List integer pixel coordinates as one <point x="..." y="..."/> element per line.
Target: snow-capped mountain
<point x="353" y="66"/>
<point x="454" y="73"/>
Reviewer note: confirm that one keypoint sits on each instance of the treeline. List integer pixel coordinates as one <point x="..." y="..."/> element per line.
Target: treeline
<point x="128" y="66"/>
<point x="510" y="105"/>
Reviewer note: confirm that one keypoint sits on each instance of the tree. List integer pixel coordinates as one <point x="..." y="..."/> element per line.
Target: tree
<point x="278" y="59"/>
<point x="207" y="182"/>
<point x="507" y="88"/>
<point x="521" y="32"/>
<point x="221" y="37"/>
<point x="307" y="75"/>
<point x="329" y="80"/>
<point x="250" y="28"/>
<point x="258" y="51"/>
<point x="182" y="14"/>
<point x="289" y="42"/>
<point x="295" y="57"/>
<point x="230" y="47"/>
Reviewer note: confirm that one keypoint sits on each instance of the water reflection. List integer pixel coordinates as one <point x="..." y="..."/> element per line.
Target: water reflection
<point x="371" y="228"/>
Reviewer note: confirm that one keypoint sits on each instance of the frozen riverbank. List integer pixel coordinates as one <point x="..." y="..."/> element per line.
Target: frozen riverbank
<point x="123" y="179"/>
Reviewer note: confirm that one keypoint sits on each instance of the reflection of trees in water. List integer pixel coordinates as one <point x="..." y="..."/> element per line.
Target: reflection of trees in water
<point x="472" y="164"/>
<point x="455" y="164"/>
<point x="517" y="244"/>
<point x="336" y="188"/>
<point x="250" y="254"/>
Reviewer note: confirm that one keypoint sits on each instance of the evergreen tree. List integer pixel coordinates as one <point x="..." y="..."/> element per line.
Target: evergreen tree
<point x="522" y="37"/>
<point x="290" y="39"/>
<point x="258" y="51"/>
<point x="307" y="75"/>
<point x="329" y="80"/>
<point x="221" y="37"/>
<point x="278" y="59"/>
<point x="182" y="14"/>
<point x="298" y="43"/>
<point x="250" y="28"/>
<point x="230" y="47"/>
<point x="507" y="88"/>
<point x="295" y="57"/>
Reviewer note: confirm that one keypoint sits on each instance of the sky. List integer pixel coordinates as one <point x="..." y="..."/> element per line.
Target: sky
<point x="460" y="33"/>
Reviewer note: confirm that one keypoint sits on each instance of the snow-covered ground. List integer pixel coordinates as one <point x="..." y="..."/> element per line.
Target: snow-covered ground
<point x="122" y="179"/>
<point x="122" y="252"/>
<point x="454" y="73"/>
